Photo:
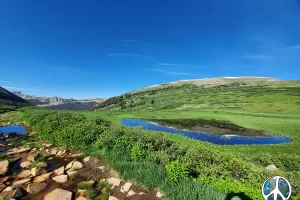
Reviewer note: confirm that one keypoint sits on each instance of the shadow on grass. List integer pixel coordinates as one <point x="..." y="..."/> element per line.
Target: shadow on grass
<point x="241" y="195"/>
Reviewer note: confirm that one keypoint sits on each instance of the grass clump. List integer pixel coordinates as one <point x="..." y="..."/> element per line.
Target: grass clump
<point x="91" y="193"/>
<point x="84" y="186"/>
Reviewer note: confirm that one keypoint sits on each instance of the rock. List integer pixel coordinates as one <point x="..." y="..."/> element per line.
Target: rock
<point x="69" y="166"/>
<point x="72" y="174"/>
<point x="4" y="179"/>
<point x="76" y="166"/>
<point x="127" y="186"/>
<point x="18" y="193"/>
<point x="141" y="193"/>
<point x="34" y="157"/>
<point x="82" y="192"/>
<point x="81" y="198"/>
<point x="272" y="168"/>
<point x="2" y="186"/>
<point x="25" y="164"/>
<point x="23" y="149"/>
<point x="61" y="179"/>
<point x="50" y="158"/>
<point x="4" y="167"/>
<point x="87" y="159"/>
<point x="53" y="152"/>
<point x="35" y="188"/>
<point x="42" y="165"/>
<point x="131" y="193"/>
<point x="159" y="194"/>
<point x="37" y="172"/>
<point x="59" y="194"/>
<point x="11" y="151"/>
<point x="24" y="174"/>
<point x="78" y="155"/>
<point x="122" y="190"/>
<point x="112" y="198"/>
<point x="20" y="182"/>
<point x="42" y="178"/>
<point x="114" y="181"/>
<point x="48" y="145"/>
<point x="33" y="150"/>
<point x="60" y="153"/>
<point x="102" y="168"/>
<point x="59" y="171"/>
<point x="8" y="189"/>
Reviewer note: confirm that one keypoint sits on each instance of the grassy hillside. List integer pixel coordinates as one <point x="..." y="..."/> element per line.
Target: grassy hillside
<point x="10" y="101"/>
<point x="269" y="105"/>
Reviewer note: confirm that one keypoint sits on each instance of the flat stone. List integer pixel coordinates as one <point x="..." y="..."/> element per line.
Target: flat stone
<point x="141" y="193"/>
<point x="69" y="166"/>
<point x="8" y="189"/>
<point x="81" y="198"/>
<point x="114" y="181"/>
<point x="78" y="155"/>
<point x="18" y="193"/>
<point x="102" y="168"/>
<point x="159" y="194"/>
<point x="23" y="149"/>
<point x="112" y="198"/>
<point x="25" y="164"/>
<point x="42" y="178"/>
<point x="42" y="165"/>
<point x="34" y="157"/>
<point x="76" y="166"/>
<point x="59" y="171"/>
<point x="11" y="151"/>
<point x="54" y="152"/>
<point x="60" y="153"/>
<point x="131" y="193"/>
<point x="35" y="188"/>
<point x="87" y="159"/>
<point x="24" y="174"/>
<point x="59" y="194"/>
<point x="272" y="168"/>
<point x="122" y="190"/>
<point x="72" y="174"/>
<point x="20" y="182"/>
<point x="37" y="172"/>
<point x="4" y="167"/>
<point x="61" y="179"/>
<point x="51" y="158"/>
<point x="127" y="186"/>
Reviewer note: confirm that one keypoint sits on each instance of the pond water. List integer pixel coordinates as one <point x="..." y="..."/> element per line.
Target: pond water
<point x="215" y="139"/>
<point x="13" y="129"/>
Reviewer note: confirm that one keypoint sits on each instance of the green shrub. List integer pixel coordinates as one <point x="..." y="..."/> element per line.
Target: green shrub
<point x="177" y="171"/>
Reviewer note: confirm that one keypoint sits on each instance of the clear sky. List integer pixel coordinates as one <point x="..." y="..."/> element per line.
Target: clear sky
<point x="102" y="48"/>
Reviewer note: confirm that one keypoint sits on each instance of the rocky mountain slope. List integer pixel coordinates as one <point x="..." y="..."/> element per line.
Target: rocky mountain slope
<point x="61" y="103"/>
<point x="10" y="101"/>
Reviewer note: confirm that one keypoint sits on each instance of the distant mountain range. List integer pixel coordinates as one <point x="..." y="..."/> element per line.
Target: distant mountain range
<point x="61" y="103"/>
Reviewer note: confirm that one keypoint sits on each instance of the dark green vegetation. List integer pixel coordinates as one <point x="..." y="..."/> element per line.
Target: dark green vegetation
<point x="9" y="101"/>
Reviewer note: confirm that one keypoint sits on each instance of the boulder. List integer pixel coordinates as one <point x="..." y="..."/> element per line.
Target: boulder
<point x="20" y="182"/>
<point x="61" y="179"/>
<point x="131" y="193"/>
<point x="33" y="157"/>
<point x="159" y="194"/>
<point x="23" y="149"/>
<point x="42" y="165"/>
<point x="69" y="166"/>
<point x="35" y="188"/>
<point x="72" y="174"/>
<point x="42" y="178"/>
<point x="25" y="164"/>
<point x="59" y="194"/>
<point x="37" y="172"/>
<point x="87" y="159"/>
<point x="17" y="193"/>
<point x="76" y="166"/>
<point x="4" y="167"/>
<point x="126" y="186"/>
<point x="59" y="171"/>
<point x="114" y="181"/>
<point x="24" y="174"/>
<point x="272" y="168"/>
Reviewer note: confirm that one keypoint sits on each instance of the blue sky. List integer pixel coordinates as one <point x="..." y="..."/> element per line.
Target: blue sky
<point x="84" y="49"/>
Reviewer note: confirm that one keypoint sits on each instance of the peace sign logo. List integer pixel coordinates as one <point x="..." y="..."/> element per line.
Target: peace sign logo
<point x="276" y="188"/>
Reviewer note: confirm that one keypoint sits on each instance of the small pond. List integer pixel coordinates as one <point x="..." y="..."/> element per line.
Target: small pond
<point x="215" y="139"/>
<point x="13" y="129"/>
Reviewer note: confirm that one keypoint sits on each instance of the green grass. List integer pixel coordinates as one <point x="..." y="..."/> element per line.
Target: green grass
<point x="84" y="186"/>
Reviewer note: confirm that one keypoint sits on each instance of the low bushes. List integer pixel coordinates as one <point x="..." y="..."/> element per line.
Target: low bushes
<point x="154" y="159"/>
